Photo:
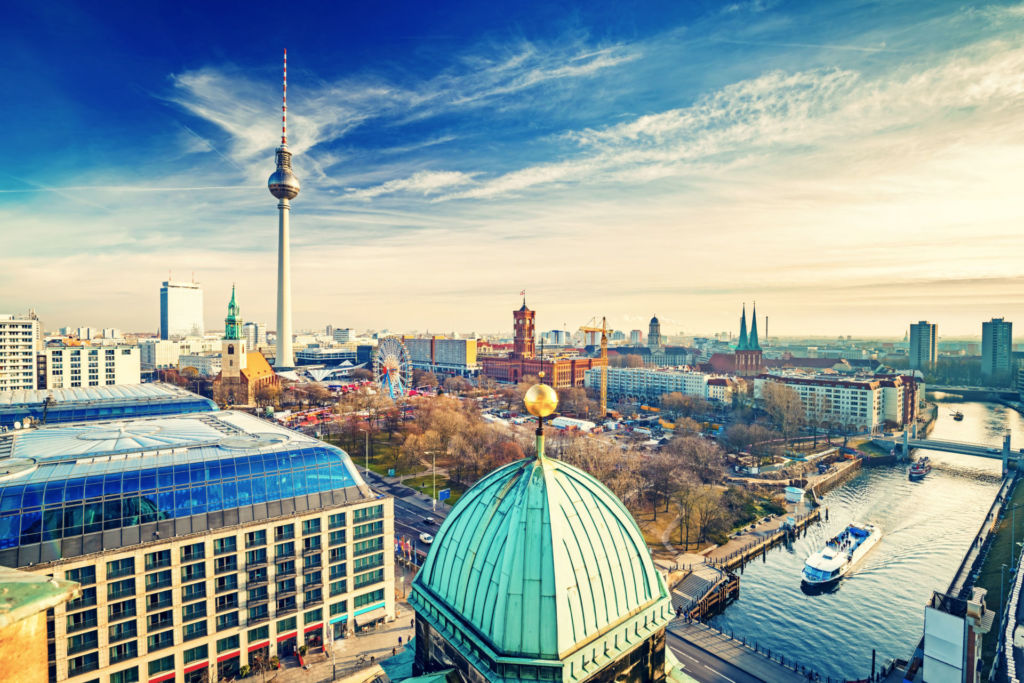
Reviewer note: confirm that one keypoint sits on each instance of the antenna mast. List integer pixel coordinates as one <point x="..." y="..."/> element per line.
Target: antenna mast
<point x="284" y="101"/>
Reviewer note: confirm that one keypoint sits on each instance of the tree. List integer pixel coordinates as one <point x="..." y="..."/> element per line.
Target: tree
<point x="573" y="400"/>
<point x="819" y="409"/>
<point x="422" y="378"/>
<point x="662" y="474"/>
<point x="634" y="361"/>
<point x="268" y="394"/>
<point x="457" y="385"/>
<point x="685" y="499"/>
<point x="702" y="457"/>
<point x="783" y="405"/>
<point x="392" y="421"/>
<point x="707" y="511"/>
<point x="319" y="394"/>
<point x="361" y="374"/>
<point x="687" y="427"/>
<point x="684" y="404"/>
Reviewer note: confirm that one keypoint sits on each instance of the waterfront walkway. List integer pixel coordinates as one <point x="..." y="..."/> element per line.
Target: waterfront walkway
<point x="702" y="649"/>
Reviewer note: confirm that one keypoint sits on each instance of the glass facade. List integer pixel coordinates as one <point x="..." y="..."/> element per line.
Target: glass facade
<point x="54" y="506"/>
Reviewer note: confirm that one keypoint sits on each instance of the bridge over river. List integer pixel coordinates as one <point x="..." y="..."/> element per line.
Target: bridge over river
<point x="1005" y="453"/>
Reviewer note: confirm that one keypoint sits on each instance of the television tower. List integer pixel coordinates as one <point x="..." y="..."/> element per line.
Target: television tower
<point x="285" y="186"/>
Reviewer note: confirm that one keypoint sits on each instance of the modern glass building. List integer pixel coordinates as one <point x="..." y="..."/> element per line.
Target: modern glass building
<point x="181" y="310"/>
<point x="203" y="542"/>
<point x="99" y="403"/>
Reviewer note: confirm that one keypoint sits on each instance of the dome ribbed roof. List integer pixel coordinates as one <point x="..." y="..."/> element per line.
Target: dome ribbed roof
<point x="538" y="558"/>
<point x="654" y="320"/>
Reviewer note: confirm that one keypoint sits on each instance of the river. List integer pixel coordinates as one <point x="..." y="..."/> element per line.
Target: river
<point x="927" y="528"/>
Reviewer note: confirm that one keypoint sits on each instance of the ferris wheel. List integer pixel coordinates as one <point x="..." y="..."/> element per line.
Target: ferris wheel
<point x="392" y="368"/>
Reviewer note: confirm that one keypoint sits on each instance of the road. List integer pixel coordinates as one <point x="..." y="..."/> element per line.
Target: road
<point x="410" y="516"/>
<point x="704" y="666"/>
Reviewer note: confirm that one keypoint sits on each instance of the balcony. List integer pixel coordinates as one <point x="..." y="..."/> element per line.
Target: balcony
<point x="253" y="564"/>
<point x="258" y="619"/>
<point x="233" y="604"/>
<point x="312" y="603"/>
<point x="256" y="583"/>
<point x="306" y="552"/>
<point x="312" y="584"/>
<point x="286" y="572"/>
<point x="290" y="609"/>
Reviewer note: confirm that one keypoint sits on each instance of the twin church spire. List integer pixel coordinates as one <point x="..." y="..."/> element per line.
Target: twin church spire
<point x="750" y="343"/>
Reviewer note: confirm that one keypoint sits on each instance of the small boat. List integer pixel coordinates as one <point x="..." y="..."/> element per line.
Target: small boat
<point x="957" y="415"/>
<point x="840" y="554"/>
<point x="920" y="468"/>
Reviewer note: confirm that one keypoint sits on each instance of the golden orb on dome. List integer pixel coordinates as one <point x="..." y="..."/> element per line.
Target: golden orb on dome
<point x="541" y="400"/>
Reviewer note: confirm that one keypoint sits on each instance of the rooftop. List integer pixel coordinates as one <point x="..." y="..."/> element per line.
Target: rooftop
<point x="154" y="391"/>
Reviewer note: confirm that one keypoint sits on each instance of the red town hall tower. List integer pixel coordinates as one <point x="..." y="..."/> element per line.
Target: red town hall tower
<point x="523" y="346"/>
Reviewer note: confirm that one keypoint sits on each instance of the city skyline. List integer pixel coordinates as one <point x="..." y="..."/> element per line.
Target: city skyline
<point x="872" y="155"/>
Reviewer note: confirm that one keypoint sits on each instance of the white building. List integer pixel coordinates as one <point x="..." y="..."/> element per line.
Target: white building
<point x="181" y="310"/>
<point x="255" y="335"/>
<point x="156" y="354"/>
<point x="66" y="367"/>
<point x="206" y="364"/>
<point x="19" y="342"/>
<point x="648" y="384"/>
<point x="863" y="403"/>
<point x="343" y="335"/>
<point x="440" y="355"/>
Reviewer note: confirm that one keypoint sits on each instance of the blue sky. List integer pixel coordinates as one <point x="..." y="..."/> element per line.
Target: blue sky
<point x="852" y="166"/>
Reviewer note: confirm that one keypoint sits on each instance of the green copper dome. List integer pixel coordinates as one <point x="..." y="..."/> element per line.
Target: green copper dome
<point x="540" y="562"/>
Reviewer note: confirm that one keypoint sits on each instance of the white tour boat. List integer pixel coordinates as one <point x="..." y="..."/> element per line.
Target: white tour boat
<point x="840" y="554"/>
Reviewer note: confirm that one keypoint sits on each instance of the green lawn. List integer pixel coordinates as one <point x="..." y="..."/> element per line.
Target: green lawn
<point x="423" y="484"/>
<point x="1000" y="553"/>
<point x="382" y="456"/>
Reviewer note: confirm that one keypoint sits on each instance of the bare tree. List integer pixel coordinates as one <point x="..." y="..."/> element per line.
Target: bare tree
<point x="702" y="457"/>
<point x="707" y="511"/>
<point x="783" y="405"/>
<point x="685" y="499"/>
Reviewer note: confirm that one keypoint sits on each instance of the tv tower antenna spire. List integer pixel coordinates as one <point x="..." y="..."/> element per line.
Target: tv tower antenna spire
<point x="284" y="101"/>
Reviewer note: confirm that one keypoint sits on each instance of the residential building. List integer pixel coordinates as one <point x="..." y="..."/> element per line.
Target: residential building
<point x="861" y="403"/>
<point x="157" y="354"/>
<point x="202" y="543"/>
<point x="443" y="356"/>
<point x="996" y="348"/>
<point x="255" y="335"/>
<point x="923" y="341"/>
<point x="67" y="367"/>
<point x="649" y="384"/>
<point x="181" y="310"/>
<point x="636" y="337"/>
<point x="85" y="404"/>
<point x="343" y="335"/>
<point x="205" y="364"/>
<point x="19" y="342"/>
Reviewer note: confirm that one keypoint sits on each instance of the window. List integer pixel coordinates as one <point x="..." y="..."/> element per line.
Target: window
<point x="363" y="514"/>
<point x="285" y="605"/>
<point x="192" y="611"/>
<point x="81" y="620"/>
<point x="261" y="633"/>
<point x="120" y="589"/>
<point x="336" y="537"/>
<point x="368" y="562"/>
<point x="160" y="641"/>
<point x="83" y="641"/>
<point x="82" y="663"/>
<point x="310" y="526"/>
<point x="258" y="594"/>
<point x="311" y="561"/>
<point x="257" y="576"/>
<point x="226" y="583"/>
<point x="364" y="530"/>
<point x="255" y="557"/>
<point x="284" y="549"/>
<point x="155" y="622"/>
<point x="225" y="644"/>
<point x="190" y="553"/>
<point x="158" y="560"/>
<point x="226" y="621"/>
<point x="122" y="631"/>
<point x="312" y="597"/>
<point x="118" y="568"/>
<point x="121" y="610"/>
<point x="284" y="532"/>
<point x="87" y="599"/>
<point x="228" y="601"/>
<point x="225" y="564"/>
<point x="256" y="538"/>
<point x="285" y="568"/>
<point x="336" y="520"/>
<point x="193" y="572"/>
<point x="339" y="587"/>
<point x="156" y="601"/>
<point x="286" y="625"/>
<point x="339" y="608"/>
<point x="123" y="651"/>
<point x="286" y="586"/>
<point x="312" y="616"/>
<point x="83" y="575"/>
<point x="371" y="546"/>
<point x="193" y="591"/>
<point x="338" y="571"/>
<point x="367" y="598"/>
<point x="312" y="578"/>
<point x="196" y="629"/>
<point x="126" y="676"/>
<point x="158" y="580"/>
<point x="161" y="665"/>
<point x="311" y="543"/>
<point x="224" y="545"/>
<point x="258" y="613"/>
<point x="195" y="654"/>
<point x="368" y="578"/>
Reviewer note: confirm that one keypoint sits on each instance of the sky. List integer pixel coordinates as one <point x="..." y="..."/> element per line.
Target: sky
<point x="851" y="166"/>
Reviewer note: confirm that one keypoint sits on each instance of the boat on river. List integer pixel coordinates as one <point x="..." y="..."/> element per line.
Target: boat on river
<point x="920" y="468"/>
<point x="840" y="554"/>
<point x="957" y="415"/>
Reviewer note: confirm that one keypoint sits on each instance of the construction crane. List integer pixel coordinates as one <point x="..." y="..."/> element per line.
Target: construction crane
<point x="604" y="357"/>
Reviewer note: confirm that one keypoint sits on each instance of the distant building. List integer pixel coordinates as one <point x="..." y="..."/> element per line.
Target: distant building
<point x="649" y="384"/>
<point x="158" y="354"/>
<point x="255" y="335"/>
<point x="749" y="359"/>
<point x="242" y="372"/>
<point x="19" y="343"/>
<point x="523" y="341"/>
<point x="923" y="339"/>
<point x="181" y="310"/>
<point x="953" y="630"/>
<point x="863" y="403"/>
<point x="343" y="335"/>
<point x="205" y="364"/>
<point x="316" y="355"/>
<point x="67" y="367"/>
<point x="996" y="348"/>
<point x="444" y="356"/>
<point x="636" y="337"/>
<point x="654" y="333"/>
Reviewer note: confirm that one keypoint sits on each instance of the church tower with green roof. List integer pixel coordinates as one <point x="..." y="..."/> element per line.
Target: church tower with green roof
<point x="232" y="347"/>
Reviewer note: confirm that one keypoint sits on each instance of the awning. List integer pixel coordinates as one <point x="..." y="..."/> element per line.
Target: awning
<point x="371" y="616"/>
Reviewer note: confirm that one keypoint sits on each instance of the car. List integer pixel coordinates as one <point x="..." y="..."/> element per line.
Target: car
<point x="426" y="538"/>
<point x="429" y="520"/>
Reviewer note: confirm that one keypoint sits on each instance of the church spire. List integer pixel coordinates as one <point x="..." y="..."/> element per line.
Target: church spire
<point x="743" y="345"/>
<point x="753" y="343"/>
<point x="233" y="323"/>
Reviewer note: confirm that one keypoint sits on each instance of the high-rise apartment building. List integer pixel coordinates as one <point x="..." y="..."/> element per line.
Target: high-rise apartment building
<point x="923" y="338"/>
<point x="636" y="337"/>
<point x="440" y="355"/>
<point x="19" y="343"/>
<point x="255" y="335"/>
<point x="996" y="348"/>
<point x="342" y="335"/>
<point x="67" y="367"/>
<point x="181" y="310"/>
<point x="202" y="542"/>
<point x="155" y="354"/>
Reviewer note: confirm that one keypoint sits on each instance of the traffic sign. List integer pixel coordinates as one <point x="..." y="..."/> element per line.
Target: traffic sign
<point x="444" y="493"/>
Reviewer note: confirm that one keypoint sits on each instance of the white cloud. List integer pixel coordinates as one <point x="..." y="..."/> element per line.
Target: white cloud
<point x="423" y="182"/>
